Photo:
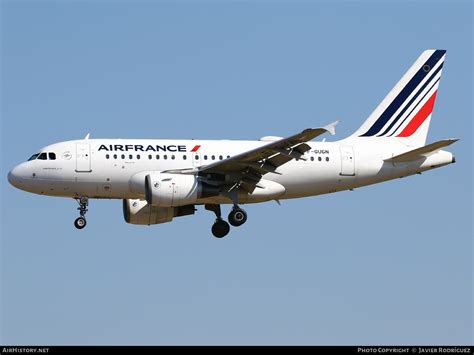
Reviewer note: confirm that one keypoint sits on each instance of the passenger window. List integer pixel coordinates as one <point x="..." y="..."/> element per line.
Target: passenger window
<point x="115" y="156"/>
<point x="157" y="157"/>
<point x="107" y="156"/>
<point x="123" y="156"/>
<point x="312" y="158"/>
<point x="319" y="158"/>
<point x="184" y="157"/>
<point x="165" y="157"/>
<point x="213" y="157"/>
<point x="228" y="156"/>
<point x="52" y="156"/>
<point x="196" y="157"/>
<point x="205" y="157"/>
<point x="130" y="156"/>
<point x="149" y="156"/>
<point x="327" y="158"/>
<point x="172" y="157"/>
<point x="42" y="156"/>
<point x="138" y="156"/>
<point x="221" y="157"/>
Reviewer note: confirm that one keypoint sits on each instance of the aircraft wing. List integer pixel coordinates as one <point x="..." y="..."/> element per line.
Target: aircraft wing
<point x="247" y="168"/>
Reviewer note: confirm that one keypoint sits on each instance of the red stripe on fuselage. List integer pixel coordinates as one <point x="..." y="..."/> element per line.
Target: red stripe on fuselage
<point x="195" y="149"/>
<point x="419" y="118"/>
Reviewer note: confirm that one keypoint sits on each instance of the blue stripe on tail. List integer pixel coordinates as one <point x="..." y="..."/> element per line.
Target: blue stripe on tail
<point x="403" y="95"/>
<point x="411" y="101"/>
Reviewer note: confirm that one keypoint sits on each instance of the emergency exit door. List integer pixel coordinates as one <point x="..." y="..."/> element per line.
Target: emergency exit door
<point x="83" y="158"/>
<point x="347" y="161"/>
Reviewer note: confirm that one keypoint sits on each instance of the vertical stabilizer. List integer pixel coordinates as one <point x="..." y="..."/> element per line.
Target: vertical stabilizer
<point x="405" y="113"/>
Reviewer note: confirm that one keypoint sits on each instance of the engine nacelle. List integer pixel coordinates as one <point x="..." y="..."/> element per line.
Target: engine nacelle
<point x="140" y="212"/>
<point x="173" y="190"/>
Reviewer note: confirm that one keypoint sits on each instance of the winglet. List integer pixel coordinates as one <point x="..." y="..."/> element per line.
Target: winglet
<point x="87" y="136"/>
<point x="331" y="128"/>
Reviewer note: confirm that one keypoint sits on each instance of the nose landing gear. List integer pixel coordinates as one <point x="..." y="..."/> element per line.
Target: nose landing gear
<point x="81" y="222"/>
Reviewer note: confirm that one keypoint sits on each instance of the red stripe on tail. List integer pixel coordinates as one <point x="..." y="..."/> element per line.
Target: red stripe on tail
<point x="419" y="118"/>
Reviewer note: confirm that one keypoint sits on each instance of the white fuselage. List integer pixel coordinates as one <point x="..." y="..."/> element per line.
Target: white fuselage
<point x="159" y="180"/>
<point x="105" y="168"/>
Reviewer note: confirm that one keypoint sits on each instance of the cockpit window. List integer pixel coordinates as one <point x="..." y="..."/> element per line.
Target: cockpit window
<point x="34" y="156"/>
<point x="43" y="156"/>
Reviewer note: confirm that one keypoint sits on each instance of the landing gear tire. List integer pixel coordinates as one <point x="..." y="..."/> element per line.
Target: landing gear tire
<point x="80" y="222"/>
<point x="220" y="228"/>
<point x="237" y="217"/>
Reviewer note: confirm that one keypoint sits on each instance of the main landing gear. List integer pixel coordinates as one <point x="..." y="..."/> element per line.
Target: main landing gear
<point x="81" y="222"/>
<point x="221" y="228"/>
<point x="237" y="216"/>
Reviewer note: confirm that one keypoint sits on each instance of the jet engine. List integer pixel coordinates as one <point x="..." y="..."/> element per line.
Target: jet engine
<point x="172" y="190"/>
<point x="140" y="212"/>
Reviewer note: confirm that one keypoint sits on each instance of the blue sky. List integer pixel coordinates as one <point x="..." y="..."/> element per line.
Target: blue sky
<point x="386" y="264"/>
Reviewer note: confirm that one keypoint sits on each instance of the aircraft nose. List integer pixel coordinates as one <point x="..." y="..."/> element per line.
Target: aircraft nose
<point x="15" y="177"/>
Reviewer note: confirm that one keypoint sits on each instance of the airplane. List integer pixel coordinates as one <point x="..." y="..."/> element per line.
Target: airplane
<point x="159" y="180"/>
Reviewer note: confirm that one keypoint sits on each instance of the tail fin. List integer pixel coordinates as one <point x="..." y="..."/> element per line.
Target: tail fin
<point x="405" y="113"/>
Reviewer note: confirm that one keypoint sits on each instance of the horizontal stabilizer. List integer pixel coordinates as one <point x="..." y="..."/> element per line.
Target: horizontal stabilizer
<point x="421" y="152"/>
